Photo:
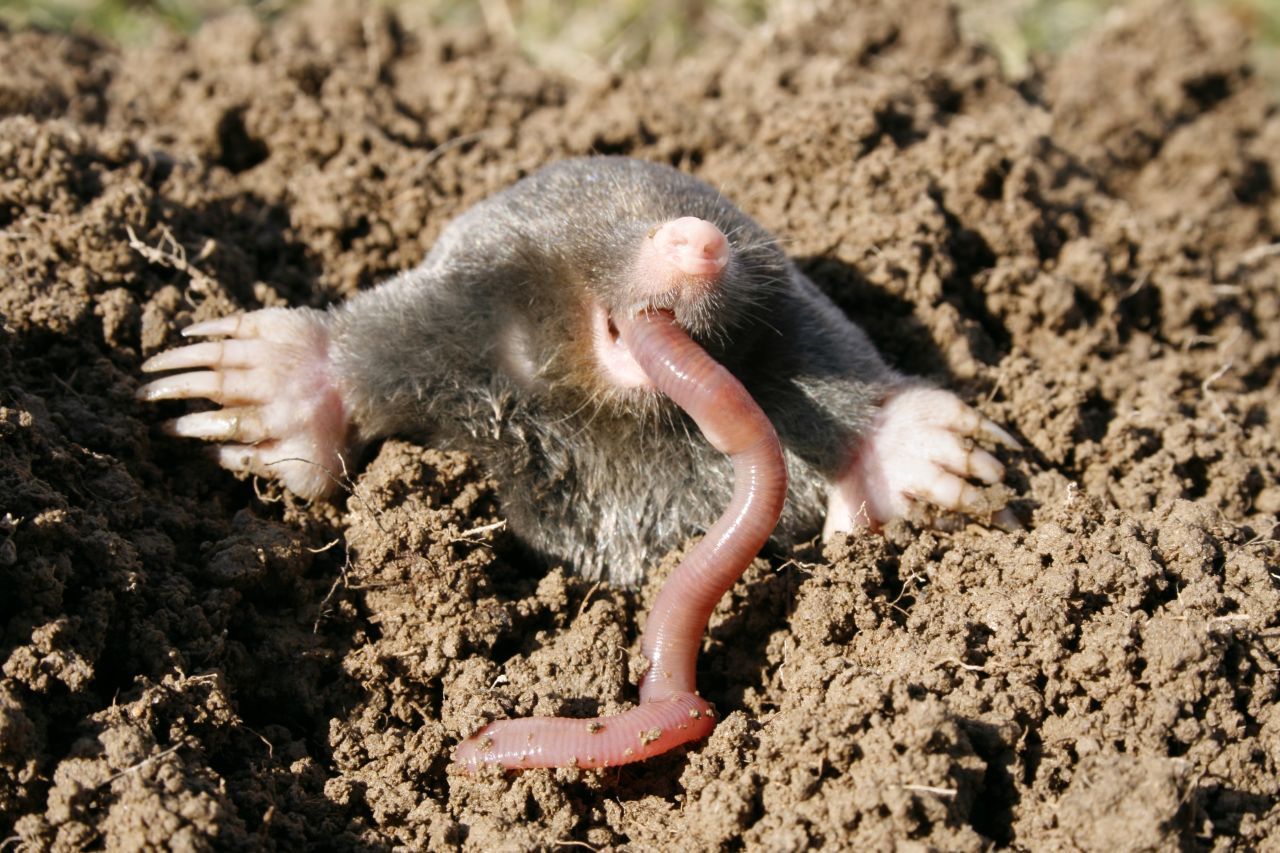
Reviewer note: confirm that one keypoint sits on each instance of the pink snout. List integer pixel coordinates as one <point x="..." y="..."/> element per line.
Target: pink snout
<point x="693" y="246"/>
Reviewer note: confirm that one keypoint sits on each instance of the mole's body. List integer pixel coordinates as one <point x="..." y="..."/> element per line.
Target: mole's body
<point x="502" y="342"/>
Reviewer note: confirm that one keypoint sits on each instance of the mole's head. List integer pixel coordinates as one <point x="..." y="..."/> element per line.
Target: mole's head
<point x="630" y="237"/>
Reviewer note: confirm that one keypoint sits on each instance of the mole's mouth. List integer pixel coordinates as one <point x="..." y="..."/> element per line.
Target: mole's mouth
<point x="613" y="356"/>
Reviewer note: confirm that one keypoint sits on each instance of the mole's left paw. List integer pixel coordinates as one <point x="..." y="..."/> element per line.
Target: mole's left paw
<point x="921" y="447"/>
<point x="282" y="414"/>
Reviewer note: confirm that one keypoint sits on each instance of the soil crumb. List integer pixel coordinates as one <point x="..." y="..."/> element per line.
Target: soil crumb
<point x="1090" y="255"/>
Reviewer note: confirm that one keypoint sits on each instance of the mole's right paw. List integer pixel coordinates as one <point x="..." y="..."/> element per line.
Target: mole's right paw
<point x="923" y="446"/>
<point x="282" y="414"/>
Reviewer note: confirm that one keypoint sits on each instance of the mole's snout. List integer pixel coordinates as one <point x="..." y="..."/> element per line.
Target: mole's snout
<point x="681" y="256"/>
<point x="693" y="246"/>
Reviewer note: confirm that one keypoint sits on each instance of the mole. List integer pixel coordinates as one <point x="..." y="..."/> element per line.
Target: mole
<point x="627" y="353"/>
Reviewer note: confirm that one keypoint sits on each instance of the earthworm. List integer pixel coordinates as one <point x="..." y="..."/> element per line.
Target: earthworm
<point x="670" y="712"/>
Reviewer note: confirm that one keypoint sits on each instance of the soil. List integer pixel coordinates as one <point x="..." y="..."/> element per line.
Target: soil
<point x="1089" y="255"/>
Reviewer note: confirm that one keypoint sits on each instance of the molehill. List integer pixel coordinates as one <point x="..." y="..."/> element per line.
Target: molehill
<point x="1089" y="256"/>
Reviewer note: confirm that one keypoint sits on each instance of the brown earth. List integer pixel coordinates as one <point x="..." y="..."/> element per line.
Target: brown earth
<point x="1090" y="256"/>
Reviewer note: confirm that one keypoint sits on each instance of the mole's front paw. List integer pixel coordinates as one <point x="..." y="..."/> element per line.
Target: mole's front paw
<point x="282" y="415"/>
<point x="921" y="447"/>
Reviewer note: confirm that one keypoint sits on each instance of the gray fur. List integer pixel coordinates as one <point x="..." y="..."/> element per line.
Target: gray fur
<point x="598" y="479"/>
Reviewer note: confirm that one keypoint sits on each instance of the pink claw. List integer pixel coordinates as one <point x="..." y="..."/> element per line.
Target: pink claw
<point x="670" y="712"/>
<point x="234" y="325"/>
<point x="229" y="353"/>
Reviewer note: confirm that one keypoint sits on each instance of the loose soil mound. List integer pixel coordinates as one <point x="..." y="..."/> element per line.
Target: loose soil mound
<point x="1089" y="256"/>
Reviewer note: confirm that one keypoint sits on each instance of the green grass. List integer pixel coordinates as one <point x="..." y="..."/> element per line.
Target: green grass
<point x="582" y="38"/>
<point x="124" y="21"/>
<point x="1018" y="29"/>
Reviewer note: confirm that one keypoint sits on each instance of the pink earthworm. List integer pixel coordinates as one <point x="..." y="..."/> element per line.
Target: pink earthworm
<point x="670" y="712"/>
